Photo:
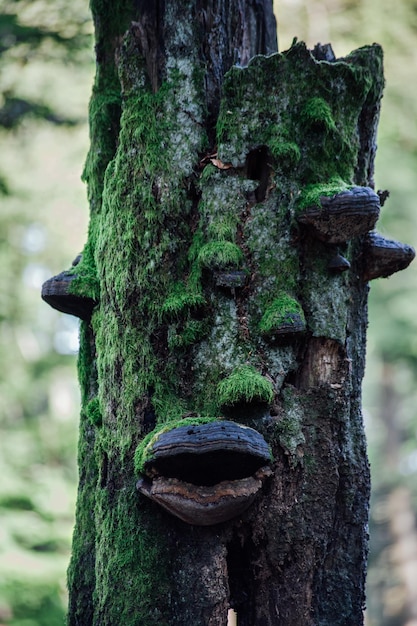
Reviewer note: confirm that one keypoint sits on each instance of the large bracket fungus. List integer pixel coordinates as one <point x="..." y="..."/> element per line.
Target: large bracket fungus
<point x="205" y="473"/>
<point x="344" y="215"/>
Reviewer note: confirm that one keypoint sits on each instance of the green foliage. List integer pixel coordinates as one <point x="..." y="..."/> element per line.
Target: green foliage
<point x="35" y="603"/>
<point x="45" y="78"/>
<point x="35" y="32"/>
<point x="245" y="384"/>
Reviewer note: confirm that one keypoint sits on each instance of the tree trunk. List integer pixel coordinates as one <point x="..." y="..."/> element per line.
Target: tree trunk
<point x="225" y="208"/>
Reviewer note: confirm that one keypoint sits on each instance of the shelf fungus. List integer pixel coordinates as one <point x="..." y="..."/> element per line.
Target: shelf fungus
<point x="338" y="264"/>
<point x="383" y="257"/>
<point x="230" y="280"/>
<point x="283" y="319"/>
<point x="345" y="215"/>
<point x="207" y="473"/>
<point x="57" y="293"/>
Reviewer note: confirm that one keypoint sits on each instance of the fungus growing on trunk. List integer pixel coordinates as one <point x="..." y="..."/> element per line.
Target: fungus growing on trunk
<point x="384" y="257"/>
<point x="204" y="473"/>
<point x="56" y="292"/>
<point x="338" y="263"/>
<point x="283" y="318"/>
<point x="342" y="216"/>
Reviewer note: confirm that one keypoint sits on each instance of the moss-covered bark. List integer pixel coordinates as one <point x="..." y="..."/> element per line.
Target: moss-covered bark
<point x="215" y="302"/>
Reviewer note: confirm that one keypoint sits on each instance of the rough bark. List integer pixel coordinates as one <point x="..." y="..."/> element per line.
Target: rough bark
<point x="196" y="180"/>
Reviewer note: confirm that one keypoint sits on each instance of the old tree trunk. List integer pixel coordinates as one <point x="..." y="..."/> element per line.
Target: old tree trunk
<point x="222" y="292"/>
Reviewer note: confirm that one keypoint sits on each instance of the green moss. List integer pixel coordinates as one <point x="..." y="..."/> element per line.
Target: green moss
<point x="144" y="450"/>
<point x="245" y="384"/>
<point x="317" y="112"/>
<point x="181" y="301"/>
<point x="104" y="114"/>
<point x="223" y="229"/>
<point x="133" y="554"/>
<point x="93" y="412"/>
<point x="220" y="255"/>
<point x="86" y="283"/>
<point x="311" y="194"/>
<point x="187" y="334"/>
<point x="282" y="310"/>
<point x="286" y="153"/>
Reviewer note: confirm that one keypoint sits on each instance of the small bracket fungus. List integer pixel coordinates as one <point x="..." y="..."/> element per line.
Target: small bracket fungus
<point x="231" y="280"/>
<point x="283" y="317"/>
<point x="345" y="215"/>
<point x="338" y="264"/>
<point x="204" y="474"/>
<point x="383" y="257"/>
<point x="57" y="293"/>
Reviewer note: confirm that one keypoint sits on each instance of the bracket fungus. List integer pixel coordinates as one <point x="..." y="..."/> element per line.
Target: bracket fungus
<point x="383" y="257"/>
<point x="284" y="317"/>
<point x="338" y="264"/>
<point x="345" y="215"/>
<point x="205" y="474"/>
<point x="233" y="279"/>
<point x="56" y="292"/>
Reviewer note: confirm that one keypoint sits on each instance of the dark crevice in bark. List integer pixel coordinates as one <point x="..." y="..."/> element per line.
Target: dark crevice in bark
<point x="229" y="32"/>
<point x="240" y="579"/>
<point x="104" y="471"/>
<point x="258" y="167"/>
<point x="149" y="32"/>
<point x="233" y="31"/>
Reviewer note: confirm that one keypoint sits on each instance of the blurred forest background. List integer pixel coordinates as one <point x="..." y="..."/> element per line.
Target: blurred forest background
<point x="46" y="74"/>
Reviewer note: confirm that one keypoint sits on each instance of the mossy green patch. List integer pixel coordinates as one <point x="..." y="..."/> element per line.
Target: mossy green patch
<point x="286" y="153"/>
<point x="282" y="310"/>
<point x="220" y="255"/>
<point x="93" y="412"/>
<point x="311" y="195"/>
<point x="223" y="229"/>
<point x="316" y="112"/>
<point x="187" y="334"/>
<point x="181" y="301"/>
<point x="86" y="283"/>
<point x="245" y="384"/>
<point x="133" y="555"/>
